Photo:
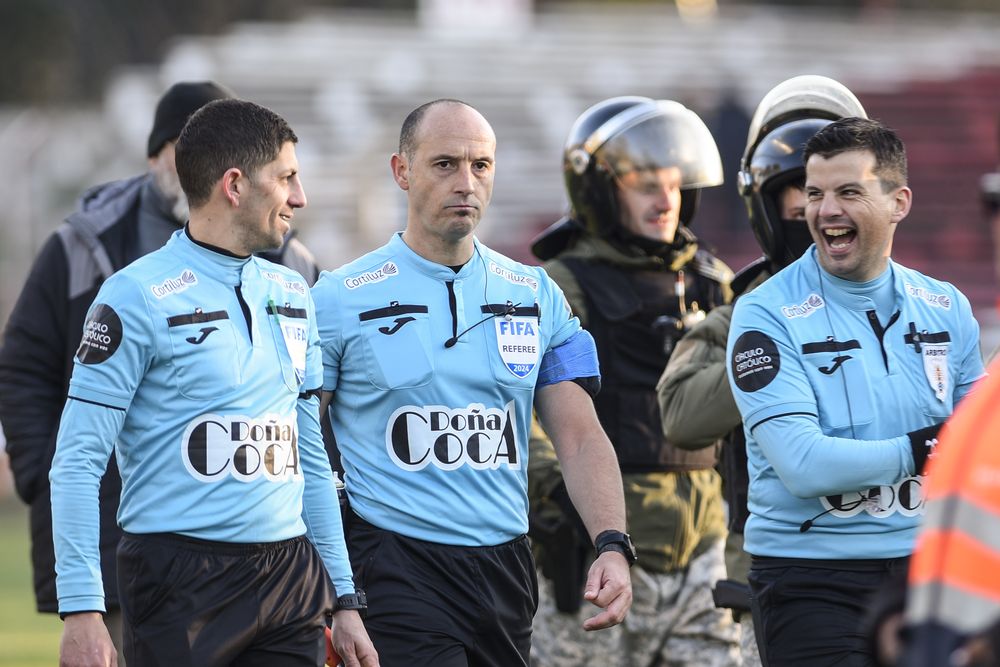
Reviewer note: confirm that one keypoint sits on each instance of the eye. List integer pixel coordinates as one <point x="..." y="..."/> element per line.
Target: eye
<point x="482" y="165"/>
<point x="814" y="195"/>
<point x="442" y="164"/>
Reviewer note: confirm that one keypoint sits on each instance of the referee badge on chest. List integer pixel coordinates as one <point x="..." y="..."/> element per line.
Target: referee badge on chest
<point x="517" y="342"/>
<point x="936" y="368"/>
<point x="296" y="337"/>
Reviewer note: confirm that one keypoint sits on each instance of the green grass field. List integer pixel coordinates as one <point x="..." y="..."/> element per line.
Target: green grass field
<point x="27" y="638"/>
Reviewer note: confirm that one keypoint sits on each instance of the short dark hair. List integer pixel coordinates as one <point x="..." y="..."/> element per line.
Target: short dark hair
<point x="863" y="134"/>
<point x="408" y="133"/>
<point x="226" y="134"/>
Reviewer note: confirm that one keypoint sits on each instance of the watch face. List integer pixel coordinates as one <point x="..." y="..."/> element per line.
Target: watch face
<point x="620" y="542"/>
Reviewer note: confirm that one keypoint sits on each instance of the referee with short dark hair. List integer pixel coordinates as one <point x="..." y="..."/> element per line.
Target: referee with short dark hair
<point x="200" y="366"/>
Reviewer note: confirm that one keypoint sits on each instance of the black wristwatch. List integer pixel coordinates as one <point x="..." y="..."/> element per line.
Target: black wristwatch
<point x="356" y="601"/>
<point x="615" y="540"/>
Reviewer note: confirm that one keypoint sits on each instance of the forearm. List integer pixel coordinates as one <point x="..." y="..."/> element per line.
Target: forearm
<point x="588" y="461"/>
<point x="85" y="441"/>
<point x="594" y="483"/>
<point x="32" y="388"/>
<point x="696" y="404"/>
<point x="811" y="464"/>
<point x="320" y="506"/>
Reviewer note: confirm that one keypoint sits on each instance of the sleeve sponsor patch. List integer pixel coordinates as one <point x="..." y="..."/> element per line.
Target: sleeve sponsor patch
<point x="755" y="361"/>
<point x="102" y="334"/>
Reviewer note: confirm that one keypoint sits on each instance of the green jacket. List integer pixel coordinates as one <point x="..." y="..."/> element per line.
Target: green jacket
<point x="672" y="516"/>
<point x="695" y="377"/>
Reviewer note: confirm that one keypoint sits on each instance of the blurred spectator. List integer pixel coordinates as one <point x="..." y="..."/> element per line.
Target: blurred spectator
<point x="990" y="320"/>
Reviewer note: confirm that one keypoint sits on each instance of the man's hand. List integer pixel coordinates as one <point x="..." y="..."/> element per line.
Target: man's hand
<point x="350" y="640"/>
<point x="610" y="588"/>
<point x="86" y="642"/>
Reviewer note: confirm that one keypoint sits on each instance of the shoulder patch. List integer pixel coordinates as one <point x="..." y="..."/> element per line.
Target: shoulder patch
<point x="387" y="270"/>
<point x="296" y="286"/>
<point x="515" y="278"/>
<point x="936" y="300"/>
<point x="812" y="303"/>
<point x="713" y="268"/>
<point x="102" y="334"/>
<point x="755" y="361"/>
<point x="174" y="285"/>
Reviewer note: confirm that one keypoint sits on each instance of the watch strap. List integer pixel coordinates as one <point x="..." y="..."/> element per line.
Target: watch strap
<point x="356" y="601"/>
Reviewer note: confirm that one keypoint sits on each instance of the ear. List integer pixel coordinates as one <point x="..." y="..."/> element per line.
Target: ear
<point x="901" y="203"/>
<point x="400" y="171"/>
<point x="232" y="184"/>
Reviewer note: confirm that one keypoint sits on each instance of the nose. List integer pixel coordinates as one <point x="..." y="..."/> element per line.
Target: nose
<point x="464" y="179"/>
<point x="829" y="207"/>
<point x="297" y="194"/>
<point x="664" y="199"/>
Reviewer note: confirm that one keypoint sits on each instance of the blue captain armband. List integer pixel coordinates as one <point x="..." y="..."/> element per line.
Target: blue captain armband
<point x="574" y="360"/>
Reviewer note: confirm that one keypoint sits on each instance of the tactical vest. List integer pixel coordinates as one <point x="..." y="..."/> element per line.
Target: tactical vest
<point x="622" y="306"/>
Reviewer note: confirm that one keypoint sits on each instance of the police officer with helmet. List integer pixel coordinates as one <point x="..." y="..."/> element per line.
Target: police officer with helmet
<point x="633" y="272"/>
<point x="695" y="398"/>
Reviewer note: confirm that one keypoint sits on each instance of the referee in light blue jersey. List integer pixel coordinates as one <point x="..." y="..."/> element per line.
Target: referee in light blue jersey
<point x="200" y="366"/>
<point x="434" y="349"/>
<point x="844" y="366"/>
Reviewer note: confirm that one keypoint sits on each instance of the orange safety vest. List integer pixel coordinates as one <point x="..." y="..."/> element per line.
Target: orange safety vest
<point x="955" y="570"/>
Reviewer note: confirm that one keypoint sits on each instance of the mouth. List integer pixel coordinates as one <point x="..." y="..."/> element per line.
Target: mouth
<point x="839" y="239"/>
<point x="660" y="222"/>
<point x="463" y="209"/>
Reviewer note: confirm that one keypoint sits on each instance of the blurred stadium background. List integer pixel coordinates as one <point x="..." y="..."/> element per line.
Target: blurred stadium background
<point x="81" y="77"/>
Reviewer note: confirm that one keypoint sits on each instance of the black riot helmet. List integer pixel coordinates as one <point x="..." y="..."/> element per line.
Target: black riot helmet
<point x="625" y="134"/>
<point x="788" y="116"/>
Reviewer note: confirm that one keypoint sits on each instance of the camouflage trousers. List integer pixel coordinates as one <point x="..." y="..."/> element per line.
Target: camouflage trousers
<point x="737" y="565"/>
<point x="673" y="623"/>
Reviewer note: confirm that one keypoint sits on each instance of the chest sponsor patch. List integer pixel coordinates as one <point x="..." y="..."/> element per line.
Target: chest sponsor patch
<point x="387" y="270"/>
<point x="755" y="361"/>
<point x="102" y="334"/>
<point x="296" y="286"/>
<point x="449" y="438"/>
<point x="812" y="303"/>
<point x="218" y="447"/>
<point x="936" y="300"/>
<point x="515" y="278"/>
<point x="517" y="342"/>
<point x="905" y="497"/>
<point x="175" y="285"/>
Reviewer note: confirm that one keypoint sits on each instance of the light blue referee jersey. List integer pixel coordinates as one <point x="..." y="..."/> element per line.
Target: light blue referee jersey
<point x="829" y="385"/>
<point x="433" y="374"/>
<point x="191" y="366"/>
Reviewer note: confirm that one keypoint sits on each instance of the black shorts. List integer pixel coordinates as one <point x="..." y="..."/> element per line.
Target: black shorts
<point x="811" y="612"/>
<point x="444" y="606"/>
<point x="193" y="602"/>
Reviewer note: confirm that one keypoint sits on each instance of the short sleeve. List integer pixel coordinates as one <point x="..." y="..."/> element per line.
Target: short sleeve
<point x="117" y="345"/>
<point x="325" y="296"/>
<point x="765" y="370"/>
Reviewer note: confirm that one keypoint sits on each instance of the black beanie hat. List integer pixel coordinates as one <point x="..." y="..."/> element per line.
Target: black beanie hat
<point x="176" y="106"/>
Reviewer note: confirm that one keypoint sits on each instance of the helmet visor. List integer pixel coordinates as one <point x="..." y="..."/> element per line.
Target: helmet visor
<point x="664" y="136"/>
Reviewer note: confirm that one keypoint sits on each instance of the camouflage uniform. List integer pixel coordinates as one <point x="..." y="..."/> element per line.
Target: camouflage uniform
<point x="676" y="520"/>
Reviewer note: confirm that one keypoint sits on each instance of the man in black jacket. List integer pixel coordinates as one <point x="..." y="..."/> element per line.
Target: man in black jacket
<point x="115" y="224"/>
